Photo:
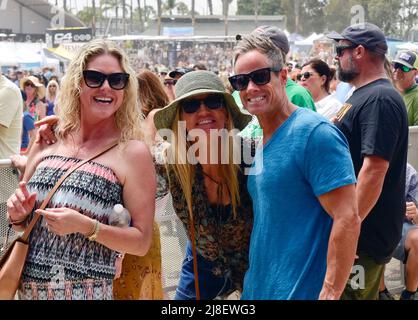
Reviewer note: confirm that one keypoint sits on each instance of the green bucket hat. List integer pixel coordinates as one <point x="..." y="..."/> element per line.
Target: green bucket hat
<point x="194" y="83"/>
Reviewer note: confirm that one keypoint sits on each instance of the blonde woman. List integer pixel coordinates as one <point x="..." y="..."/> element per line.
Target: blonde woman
<point x="52" y="91"/>
<point x="72" y="247"/>
<point x="210" y="197"/>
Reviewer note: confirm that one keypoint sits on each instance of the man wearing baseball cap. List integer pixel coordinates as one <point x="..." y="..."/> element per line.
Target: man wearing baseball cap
<point x="405" y="67"/>
<point x="374" y="121"/>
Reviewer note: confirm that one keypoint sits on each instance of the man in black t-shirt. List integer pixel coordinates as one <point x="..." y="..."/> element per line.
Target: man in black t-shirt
<point x="374" y="120"/>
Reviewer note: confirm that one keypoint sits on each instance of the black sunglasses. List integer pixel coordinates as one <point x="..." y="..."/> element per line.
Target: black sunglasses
<point x="402" y="67"/>
<point x="95" y="79"/>
<point x="213" y="102"/>
<point x="260" y="77"/>
<point x="170" y="82"/>
<point x="306" y="75"/>
<point x="339" y="49"/>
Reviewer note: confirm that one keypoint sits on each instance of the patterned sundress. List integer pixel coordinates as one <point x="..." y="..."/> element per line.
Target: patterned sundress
<point x="71" y="267"/>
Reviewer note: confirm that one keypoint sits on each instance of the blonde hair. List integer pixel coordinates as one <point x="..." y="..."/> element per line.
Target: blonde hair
<point x="47" y="94"/>
<point x="128" y="116"/>
<point x="185" y="172"/>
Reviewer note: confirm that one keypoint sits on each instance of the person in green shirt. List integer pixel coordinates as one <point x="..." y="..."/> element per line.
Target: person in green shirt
<point x="405" y="67"/>
<point x="296" y="94"/>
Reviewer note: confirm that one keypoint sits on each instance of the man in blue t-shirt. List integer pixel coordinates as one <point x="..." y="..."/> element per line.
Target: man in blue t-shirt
<point x="302" y="185"/>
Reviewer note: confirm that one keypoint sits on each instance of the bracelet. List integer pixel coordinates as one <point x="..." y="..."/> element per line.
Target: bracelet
<point x="93" y="235"/>
<point x="18" y="222"/>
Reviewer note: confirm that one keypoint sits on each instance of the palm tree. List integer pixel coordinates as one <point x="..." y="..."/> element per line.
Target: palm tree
<point x="193" y="15"/>
<point x="169" y="6"/>
<point x="225" y="9"/>
<point x="256" y="2"/>
<point x="93" y="21"/>
<point x="159" y="16"/>
<point x="141" y="22"/>
<point x="210" y="5"/>
<point x="109" y="5"/>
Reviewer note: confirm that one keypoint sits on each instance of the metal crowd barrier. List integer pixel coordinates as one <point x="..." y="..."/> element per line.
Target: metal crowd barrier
<point x="8" y="183"/>
<point x="173" y="244"/>
<point x="413" y="147"/>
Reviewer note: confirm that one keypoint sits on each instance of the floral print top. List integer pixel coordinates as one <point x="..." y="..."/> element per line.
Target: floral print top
<point x="223" y="241"/>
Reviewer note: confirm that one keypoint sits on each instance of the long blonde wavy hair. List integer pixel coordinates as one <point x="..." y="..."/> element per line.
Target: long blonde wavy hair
<point x="185" y="171"/>
<point x="128" y="116"/>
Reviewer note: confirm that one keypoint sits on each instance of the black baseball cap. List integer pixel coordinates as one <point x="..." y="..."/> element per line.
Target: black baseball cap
<point x="366" y="34"/>
<point x="277" y="36"/>
<point x="179" y="71"/>
<point x="407" y="58"/>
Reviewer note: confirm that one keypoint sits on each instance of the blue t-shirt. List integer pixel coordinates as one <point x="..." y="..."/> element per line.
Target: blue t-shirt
<point x="28" y="125"/>
<point x="306" y="157"/>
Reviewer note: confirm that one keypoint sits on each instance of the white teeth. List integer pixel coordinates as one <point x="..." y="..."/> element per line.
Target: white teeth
<point x="205" y="121"/>
<point x="105" y="100"/>
<point x="257" y="99"/>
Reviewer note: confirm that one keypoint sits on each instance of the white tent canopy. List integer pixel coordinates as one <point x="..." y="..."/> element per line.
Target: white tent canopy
<point x="25" y="55"/>
<point x="408" y="46"/>
<point x="309" y="41"/>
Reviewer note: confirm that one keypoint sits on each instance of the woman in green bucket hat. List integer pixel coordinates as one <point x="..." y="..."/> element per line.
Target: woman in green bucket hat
<point x="210" y="197"/>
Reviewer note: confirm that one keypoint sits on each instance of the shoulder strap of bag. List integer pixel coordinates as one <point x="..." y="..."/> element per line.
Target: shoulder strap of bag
<point x="29" y="228"/>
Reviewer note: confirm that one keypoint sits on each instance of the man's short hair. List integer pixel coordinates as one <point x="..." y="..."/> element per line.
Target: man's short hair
<point x="258" y="41"/>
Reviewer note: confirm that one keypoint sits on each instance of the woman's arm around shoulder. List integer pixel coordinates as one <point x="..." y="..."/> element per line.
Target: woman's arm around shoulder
<point x="139" y="191"/>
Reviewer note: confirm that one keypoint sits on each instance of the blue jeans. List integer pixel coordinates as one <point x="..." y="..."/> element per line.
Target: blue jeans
<point x="210" y="286"/>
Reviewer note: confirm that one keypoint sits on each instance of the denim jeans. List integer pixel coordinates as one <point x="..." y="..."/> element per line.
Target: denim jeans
<point x="210" y="286"/>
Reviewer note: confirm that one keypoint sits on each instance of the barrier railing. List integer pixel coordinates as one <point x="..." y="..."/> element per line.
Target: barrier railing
<point x="8" y="183"/>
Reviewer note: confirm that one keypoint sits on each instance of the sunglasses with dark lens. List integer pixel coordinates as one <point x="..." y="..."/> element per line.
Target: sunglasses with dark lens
<point x="170" y="82"/>
<point x="95" y="79"/>
<point x="28" y="84"/>
<point x="339" y="49"/>
<point x="306" y="75"/>
<point x="402" y="67"/>
<point x="260" y="77"/>
<point x="212" y="102"/>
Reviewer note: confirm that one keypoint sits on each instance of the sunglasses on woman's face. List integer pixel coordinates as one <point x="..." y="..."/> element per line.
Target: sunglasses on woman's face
<point x="260" y="77"/>
<point x="28" y="84"/>
<point x="305" y="75"/>
<point x="95" y="79"/>
<point x="170" y="82"/>
<point x="213" y="102"/>
<point x="402" y="67"/>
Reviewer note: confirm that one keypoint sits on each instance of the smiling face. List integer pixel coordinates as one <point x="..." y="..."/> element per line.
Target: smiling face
<point x="260" y="99"/>
<point x="102" y="102"/>
<point x="204" y="118"/>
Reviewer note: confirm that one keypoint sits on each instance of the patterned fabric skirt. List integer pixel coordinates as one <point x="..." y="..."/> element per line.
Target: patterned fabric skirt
<point x="141" y="276"/>
<point x="89" y="289"/>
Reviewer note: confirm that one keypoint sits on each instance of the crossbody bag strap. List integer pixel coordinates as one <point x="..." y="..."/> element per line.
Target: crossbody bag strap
<point x="35" y="219"/>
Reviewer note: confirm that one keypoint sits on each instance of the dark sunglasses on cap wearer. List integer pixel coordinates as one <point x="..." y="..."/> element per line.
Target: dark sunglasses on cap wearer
<point x="30" y="84"/>
<point x="260" y="77"/>
<point x="170" y="82"/>
<point x="306" y="75"/>
<point x="339" y="49"/>
<point x="402" y="67"/>
<point x="95" y="79"/>
<point x="213" y="102"/>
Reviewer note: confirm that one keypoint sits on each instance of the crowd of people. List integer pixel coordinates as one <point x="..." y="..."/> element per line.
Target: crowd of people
<point x="326" y="187"/>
